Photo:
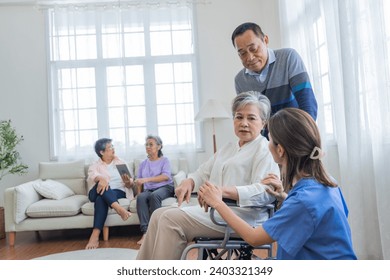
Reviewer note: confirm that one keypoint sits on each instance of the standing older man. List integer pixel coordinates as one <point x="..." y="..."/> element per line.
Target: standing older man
<point x="278" y="74"/>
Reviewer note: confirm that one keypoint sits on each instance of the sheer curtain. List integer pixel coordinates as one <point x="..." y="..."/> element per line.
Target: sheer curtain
<point x="346" y="47"/>
<point x="123" y="70"/>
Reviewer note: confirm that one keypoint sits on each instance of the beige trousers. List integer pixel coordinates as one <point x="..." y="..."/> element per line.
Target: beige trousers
<point x="170" y="230"/>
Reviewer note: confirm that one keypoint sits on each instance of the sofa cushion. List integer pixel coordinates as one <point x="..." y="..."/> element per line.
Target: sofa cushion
<point x="88" y="208"/>
<point x="70" y="173"/>
<point x="169" y="201"/>
<point x="133" y="205"/>
<point x="25" y="195"/>
<point x="52" y="189"/>
<point x="180" y="176"/>
<point x="69" y="206"/>
<point x="174" y="165"/>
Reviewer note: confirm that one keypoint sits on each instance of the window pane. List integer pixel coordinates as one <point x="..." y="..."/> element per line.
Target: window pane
<point x="87" y="119"/>
<point x="184" y="93"/>
<point x="116" y="117"/>
<point x="161" y="43"/>
<point x="112" y="45"/>
<point x="134" y="45"/>
<point x="183" y="72"/>
<point x="165" y="94"/>
<point x="134" y="75"/>
<point x="67" y="99"/>
<point x="182" y="42"/>
<point x="70" y="140"/>
<point x="328" y="119"/>
<point x="137" y="136"/>
<point x="135" y="95"/>
<point x="86" y="77"/>
<point x="137" y="116"/>
<point x="66" y="78"/>
<point x="86" y="47"/>
<point x="64" y="50"/>
<point x="116" y="96"/>
<point x="87" y="137"/>
<point x="324" y="60"/>
<point x="168" y="134"/>
<point x="115" y="76"/>
<point x="164" y="73"/>
<point x="86" y="98"/>
<point x="187" y="134"/>
<point x="326" y="90"/>
<point x="166" y="114"/>
<point x="185" y="113"/>
<point x="69" y="120"/>
<point x="117" y="135"/>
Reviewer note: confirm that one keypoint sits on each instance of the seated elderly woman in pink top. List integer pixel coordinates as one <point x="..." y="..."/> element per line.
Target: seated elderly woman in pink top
<point x="108" y="187"/>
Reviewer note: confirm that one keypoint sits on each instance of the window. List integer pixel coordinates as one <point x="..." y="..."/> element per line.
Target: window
<point x="121" y="73"/>
<point x="322" y="78"/>
<point x="385" y="116"/>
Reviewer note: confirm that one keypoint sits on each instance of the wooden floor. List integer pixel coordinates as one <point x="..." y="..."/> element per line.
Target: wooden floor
<point x="29" y="245"/>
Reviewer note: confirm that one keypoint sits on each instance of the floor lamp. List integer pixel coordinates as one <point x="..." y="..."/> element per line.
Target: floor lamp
<point x="212" y="109"/>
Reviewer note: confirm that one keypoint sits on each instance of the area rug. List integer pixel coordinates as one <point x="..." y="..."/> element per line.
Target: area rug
<point x="95" y="254"/>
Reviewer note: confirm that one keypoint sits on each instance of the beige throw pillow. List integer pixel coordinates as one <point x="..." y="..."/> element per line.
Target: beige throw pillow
<point x="52" y="189"/>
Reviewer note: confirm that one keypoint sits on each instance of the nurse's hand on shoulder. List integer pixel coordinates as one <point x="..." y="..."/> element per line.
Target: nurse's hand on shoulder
<point x="275" y="186"/>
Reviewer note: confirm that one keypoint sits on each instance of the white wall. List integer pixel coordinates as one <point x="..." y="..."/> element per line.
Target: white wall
<point x="23" y="86"/>
<point x="23" y="82"/>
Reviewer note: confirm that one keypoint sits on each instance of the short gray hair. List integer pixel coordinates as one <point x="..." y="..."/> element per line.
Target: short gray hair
<point x="253" y="98"/>
<point x="158" y="142"/>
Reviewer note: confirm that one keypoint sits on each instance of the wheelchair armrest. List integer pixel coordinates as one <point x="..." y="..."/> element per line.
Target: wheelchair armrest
<point x="232" y="203"/>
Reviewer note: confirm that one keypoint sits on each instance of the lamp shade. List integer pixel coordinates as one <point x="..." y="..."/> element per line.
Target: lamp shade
<point x="212" y="109"/>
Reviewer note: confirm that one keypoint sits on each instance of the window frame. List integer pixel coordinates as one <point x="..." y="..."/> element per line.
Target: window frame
<point x="103" y="128"/>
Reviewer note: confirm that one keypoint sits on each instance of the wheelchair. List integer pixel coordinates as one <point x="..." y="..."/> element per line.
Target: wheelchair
<point x="230" y="248"/>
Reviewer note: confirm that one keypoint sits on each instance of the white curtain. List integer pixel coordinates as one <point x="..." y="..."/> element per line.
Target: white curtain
<point x="122" y="69"/>
<point x="346" y="47"/>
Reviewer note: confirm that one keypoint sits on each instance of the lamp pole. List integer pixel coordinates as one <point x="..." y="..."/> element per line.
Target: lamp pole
<point x="214" y="141"/>
<point x="212" y="109"/>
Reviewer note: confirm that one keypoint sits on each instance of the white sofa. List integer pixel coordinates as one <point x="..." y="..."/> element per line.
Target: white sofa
<point x="27" y="210"/>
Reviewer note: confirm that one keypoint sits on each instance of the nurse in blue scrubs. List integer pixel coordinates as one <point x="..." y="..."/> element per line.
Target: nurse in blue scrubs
<point x="311" y="223"/>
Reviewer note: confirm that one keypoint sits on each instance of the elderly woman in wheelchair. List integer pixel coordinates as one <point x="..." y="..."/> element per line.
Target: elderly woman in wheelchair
<point x="237" y="168"/>
<point x="312" y="220"/>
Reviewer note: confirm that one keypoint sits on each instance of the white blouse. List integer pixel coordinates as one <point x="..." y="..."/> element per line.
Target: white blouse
<point x="243" y="167"/>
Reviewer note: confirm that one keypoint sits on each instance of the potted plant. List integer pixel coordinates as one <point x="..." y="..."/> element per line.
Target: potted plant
<point x="9" y="156"/>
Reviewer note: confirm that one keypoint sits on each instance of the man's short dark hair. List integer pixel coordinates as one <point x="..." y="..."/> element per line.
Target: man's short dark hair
<point x="245" y="27"/>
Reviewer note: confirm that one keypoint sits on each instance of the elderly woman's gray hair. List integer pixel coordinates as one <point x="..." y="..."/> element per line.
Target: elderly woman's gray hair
<point x="253" y="98"/>
<point x="158" y="142"/>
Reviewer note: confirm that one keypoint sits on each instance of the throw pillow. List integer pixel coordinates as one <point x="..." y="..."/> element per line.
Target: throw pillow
<point x="52" y="189"/>
<point x="25" y="195"/>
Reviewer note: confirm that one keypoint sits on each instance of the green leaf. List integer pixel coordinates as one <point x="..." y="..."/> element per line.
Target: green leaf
<point x="9" y="156"/>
